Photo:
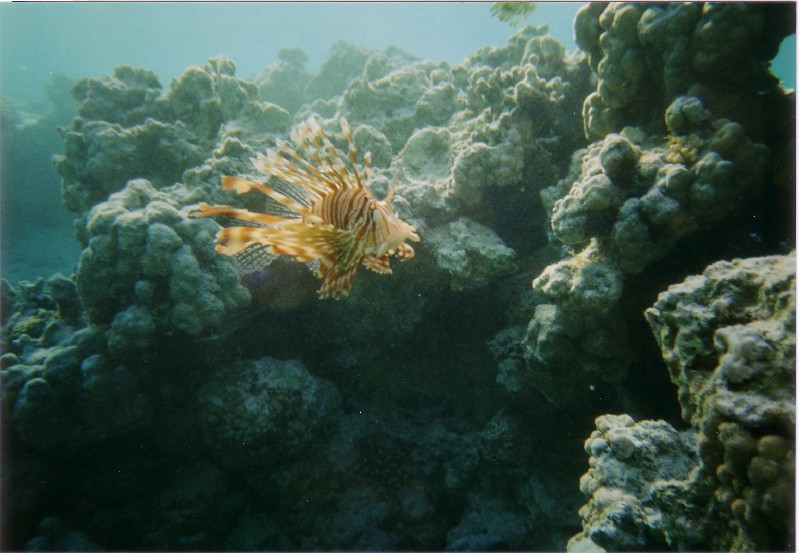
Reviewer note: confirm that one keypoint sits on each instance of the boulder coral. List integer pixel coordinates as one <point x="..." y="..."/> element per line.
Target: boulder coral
<point x="627" y="202"/>
<point x="728" y="339"/>
<point x="472" y="254"/>
<point x="509" y="133"/>
<point x="49" y="359"/>
<point x="638" y="195"/>
<point x="645" y="55"/>
<point x="639" y="488"/>
<point x="149" y="269"/>
<point x="265" y="409"/>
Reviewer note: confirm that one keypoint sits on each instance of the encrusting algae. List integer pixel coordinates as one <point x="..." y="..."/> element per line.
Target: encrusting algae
<point x="321" y="211"/>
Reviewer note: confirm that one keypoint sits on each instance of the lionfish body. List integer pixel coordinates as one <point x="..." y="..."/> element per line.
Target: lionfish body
<point x="321" y="211"/>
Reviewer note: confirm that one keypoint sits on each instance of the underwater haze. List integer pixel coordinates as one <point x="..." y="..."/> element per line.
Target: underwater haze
<point x="41" y="43"/>
<point x="398" y="276"/>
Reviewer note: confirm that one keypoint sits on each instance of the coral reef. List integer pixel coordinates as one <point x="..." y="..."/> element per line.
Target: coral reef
<point x="728" y="338"/>
<point x="472" y="254"/>
<point x="639" y="488"/>
<point x="579" y="307"/>
<point x="675" y="159"/>
<point x="729" y="342"/>
<point x="627" y="202"/>
<point x="510" y="132"/>
<point x="158" y="344"/>
<point x="129" y="129"/>
<point x="640" y="198"/>
<point x="167" y="397"/>
<point x="50" y="357"/>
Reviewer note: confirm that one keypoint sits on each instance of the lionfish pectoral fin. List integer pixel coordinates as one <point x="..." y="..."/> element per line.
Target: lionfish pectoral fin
<point x="306" y="242"/>
<point x="263" y="219"/>
<point x="295" y="238"/>
<point x="255" y="257"/>
<point x="241" y="186"/>
<point x="378" y="264"/>
<point x="233" y="240"/>
<point x="338" y="280"/>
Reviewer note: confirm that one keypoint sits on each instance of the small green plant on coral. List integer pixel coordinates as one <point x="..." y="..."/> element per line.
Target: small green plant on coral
<point x="513" y="13"/>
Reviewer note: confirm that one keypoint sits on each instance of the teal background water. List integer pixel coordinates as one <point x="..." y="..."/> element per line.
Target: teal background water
<point x="89" y="39"/>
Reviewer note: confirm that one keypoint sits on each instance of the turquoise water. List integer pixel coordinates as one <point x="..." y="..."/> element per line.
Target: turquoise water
<point x="90" y="39"/>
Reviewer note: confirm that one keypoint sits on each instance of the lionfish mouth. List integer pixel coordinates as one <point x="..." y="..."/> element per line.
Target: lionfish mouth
<point x="318" y="211"/>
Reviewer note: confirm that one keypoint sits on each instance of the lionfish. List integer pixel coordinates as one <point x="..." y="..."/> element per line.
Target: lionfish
<point x="320" y="211"/>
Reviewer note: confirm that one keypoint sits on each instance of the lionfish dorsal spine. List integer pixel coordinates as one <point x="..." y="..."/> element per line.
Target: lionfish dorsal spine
<point x="351" y="150"/>
<point x="319" y="183"/>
